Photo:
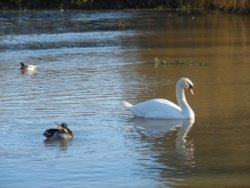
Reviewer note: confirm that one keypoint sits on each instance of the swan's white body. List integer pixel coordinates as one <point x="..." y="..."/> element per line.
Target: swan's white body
<point x="164" y="109"/>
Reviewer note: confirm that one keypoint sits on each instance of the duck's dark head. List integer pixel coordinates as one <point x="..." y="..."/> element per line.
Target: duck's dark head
<point x="64" y="125"/>
<point x="22" y="65"/>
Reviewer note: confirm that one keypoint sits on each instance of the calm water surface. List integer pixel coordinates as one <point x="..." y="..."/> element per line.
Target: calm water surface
<point x="88" y="63"/>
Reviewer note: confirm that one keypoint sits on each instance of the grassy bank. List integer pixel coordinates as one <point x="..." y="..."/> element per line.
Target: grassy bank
<point x="230" y="6"/>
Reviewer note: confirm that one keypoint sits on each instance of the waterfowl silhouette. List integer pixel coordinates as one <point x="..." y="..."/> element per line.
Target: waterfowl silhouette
<point x="26" y="67"/>
<point x="61" y="132"/>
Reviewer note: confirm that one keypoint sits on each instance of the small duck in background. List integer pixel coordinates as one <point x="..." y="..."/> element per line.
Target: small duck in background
<point x="61" y="132"/>
<point x="25" y="67"/>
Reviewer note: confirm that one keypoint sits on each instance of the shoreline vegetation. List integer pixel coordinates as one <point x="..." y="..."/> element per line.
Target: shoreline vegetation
<point x="184" y="6"/>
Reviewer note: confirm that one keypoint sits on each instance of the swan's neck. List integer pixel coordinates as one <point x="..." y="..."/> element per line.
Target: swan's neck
<point x="181" y="98"/>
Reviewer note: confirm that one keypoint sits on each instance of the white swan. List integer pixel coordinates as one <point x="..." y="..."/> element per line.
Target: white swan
<point x="164" y="109"/>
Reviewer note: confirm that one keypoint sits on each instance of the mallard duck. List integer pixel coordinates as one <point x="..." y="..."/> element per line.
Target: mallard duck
<point x="61" y="132"/>
<point x="27" y="67"/>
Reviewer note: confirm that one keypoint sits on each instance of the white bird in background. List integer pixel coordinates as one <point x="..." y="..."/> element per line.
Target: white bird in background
<point x="25" y="67"/>
<point x="165" y="109"/>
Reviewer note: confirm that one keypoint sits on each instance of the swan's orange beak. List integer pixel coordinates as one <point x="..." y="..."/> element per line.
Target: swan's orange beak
<point x="191" y="90"/>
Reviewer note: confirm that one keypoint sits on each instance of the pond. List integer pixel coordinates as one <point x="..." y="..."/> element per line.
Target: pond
<point x="88" y="62"/>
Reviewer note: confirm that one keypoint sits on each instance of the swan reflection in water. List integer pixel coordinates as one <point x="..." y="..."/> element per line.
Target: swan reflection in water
<point x="168" y="139"/>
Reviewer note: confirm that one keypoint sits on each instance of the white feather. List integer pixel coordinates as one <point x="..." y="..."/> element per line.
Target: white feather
<point x="164" y="109"/>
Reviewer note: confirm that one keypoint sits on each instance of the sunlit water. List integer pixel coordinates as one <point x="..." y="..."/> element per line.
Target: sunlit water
<point x="88" y="63"/>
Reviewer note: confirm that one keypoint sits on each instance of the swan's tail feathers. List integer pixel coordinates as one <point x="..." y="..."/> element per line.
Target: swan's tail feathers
<point x="126" y="104"/>
<point x="131" y="108"/>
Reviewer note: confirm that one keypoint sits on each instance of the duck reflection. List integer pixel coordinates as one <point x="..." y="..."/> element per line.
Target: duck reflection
<point x="62" y="144"/>
<point x="167" y="140"/>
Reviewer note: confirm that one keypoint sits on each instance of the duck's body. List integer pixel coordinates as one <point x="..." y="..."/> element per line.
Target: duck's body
<point x="164" y="109"/>
<point x="62" y="132"/>
<point x="25" y="67"/>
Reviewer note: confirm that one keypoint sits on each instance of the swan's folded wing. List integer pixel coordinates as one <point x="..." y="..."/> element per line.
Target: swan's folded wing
<point x="156" y="107"/>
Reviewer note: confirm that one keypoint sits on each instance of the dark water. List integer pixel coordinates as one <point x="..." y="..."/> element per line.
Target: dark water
<point x="88" y="63"/>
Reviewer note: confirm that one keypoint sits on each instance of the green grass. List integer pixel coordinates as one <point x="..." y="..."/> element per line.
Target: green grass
<point x="168" y="62"/>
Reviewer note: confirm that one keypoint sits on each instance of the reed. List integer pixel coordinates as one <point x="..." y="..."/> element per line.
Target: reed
<point x="168" y="62"/>
<point x="234" y="6"/>
<point x="238" y="6"/>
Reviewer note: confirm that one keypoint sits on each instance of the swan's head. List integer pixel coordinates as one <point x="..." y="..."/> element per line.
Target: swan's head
<point x="187" y="84"/>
